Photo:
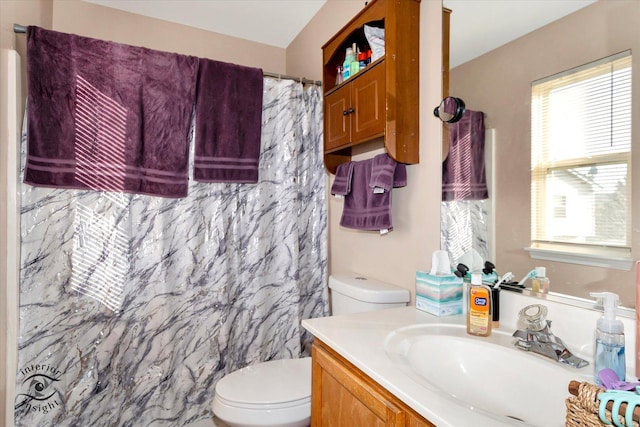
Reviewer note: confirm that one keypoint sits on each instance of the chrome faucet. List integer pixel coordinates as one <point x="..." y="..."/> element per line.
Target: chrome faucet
<point x="538" y="338"/>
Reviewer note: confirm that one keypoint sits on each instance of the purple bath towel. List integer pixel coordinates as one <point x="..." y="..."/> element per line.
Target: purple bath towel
<point x="107" y="116"/>
<point x="463" y="171"/>
<point x="365" y="209"/>
<point x="386" y="173"/>
<point x="342" y="182"/>
<point x="228" y="122"/>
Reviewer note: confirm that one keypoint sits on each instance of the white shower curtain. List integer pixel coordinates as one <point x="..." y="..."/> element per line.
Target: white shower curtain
<point x="132" y="306"/>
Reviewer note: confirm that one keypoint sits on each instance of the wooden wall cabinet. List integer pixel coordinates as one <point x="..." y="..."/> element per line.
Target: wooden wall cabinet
<point x="383" y="99"/>
<point x="355" y="111"/>
<point x="342" y="395"/>
<point x="446" y="26"/>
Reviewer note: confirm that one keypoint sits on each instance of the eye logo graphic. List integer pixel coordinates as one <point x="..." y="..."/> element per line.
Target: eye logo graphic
<point x="38" y="389"/>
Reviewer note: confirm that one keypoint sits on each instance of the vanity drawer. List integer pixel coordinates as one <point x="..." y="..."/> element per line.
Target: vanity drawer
<point x="342" y="395"/>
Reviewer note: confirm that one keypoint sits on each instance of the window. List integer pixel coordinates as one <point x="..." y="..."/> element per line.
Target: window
<point x="581" y="158"/>
<point x="560" y="206"/>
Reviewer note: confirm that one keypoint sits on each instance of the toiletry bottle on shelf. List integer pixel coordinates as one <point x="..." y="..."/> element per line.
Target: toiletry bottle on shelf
<point x="346" y="66"/>
<point x="479" y="314"/>
<point x="609" y="345"/>
<point x="362" y="58"/>
<point x="540" y="282"/>
<point x="354" y="65"/>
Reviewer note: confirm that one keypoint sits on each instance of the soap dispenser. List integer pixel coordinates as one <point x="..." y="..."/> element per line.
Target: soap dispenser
<point x="609" y="344"/>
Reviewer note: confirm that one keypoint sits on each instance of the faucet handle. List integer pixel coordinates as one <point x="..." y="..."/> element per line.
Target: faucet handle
<point x="534" y="317"/>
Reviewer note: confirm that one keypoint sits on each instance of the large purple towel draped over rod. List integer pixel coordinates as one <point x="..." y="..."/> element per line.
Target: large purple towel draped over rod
<point x="113" y="117"/>
<point x="107" y="116"/>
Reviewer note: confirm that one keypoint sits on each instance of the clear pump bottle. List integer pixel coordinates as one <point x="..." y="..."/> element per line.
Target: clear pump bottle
<point x="609" y="342"/>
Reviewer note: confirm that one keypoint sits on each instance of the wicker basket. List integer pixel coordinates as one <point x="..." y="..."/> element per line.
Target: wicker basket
<point x="582" y="410"/>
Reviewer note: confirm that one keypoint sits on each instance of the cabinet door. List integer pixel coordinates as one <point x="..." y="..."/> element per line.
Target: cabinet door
<point x="337" y="118"/>
<point x="341" y="397"/>
<point x="368" y="118"/>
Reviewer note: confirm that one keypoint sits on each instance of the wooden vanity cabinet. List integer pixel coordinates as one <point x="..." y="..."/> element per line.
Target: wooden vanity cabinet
<point x="383" y="99"/>
<point x="342" y="395"/>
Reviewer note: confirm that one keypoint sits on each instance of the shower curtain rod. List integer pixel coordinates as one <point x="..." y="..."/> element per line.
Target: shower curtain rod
<point x="302" y="80"/>
<point x="21" y="29"/>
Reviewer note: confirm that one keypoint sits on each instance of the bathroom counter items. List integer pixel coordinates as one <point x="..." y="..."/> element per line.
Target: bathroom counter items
<point x="360" y="340"/>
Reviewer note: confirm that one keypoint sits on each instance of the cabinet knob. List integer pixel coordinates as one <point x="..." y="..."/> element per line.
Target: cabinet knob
<point x="351" y="110"/>
<point x="345" y="113"/>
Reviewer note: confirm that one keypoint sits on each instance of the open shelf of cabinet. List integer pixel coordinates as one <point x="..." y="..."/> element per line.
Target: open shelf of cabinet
<point x="382" y="100"/>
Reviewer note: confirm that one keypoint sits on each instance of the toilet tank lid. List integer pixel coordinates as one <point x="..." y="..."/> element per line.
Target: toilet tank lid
<point x="367" y="290"/>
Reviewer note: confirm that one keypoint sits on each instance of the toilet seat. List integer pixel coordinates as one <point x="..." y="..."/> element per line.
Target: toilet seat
<point x="274" y="393"/>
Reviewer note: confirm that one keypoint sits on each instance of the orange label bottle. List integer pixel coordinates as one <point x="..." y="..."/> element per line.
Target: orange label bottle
<point x="479" y="315"/>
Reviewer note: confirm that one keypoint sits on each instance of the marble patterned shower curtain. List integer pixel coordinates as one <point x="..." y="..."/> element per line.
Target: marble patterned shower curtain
<point x="463" y="228"/>
<point x="132" y="306"/>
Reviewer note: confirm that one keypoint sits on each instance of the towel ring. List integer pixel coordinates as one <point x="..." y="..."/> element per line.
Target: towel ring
<point x="450" y="110"/>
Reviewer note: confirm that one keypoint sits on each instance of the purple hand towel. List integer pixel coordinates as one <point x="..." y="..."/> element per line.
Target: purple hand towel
<point x="107" y="116"/>
<point x="400" y="176"/>
<point x="363" y="209"/>
<point x="463" y="171"/>
<point x="228" y="122"/>
<point x="386" y="173"/>
<point x="342" y="182"/>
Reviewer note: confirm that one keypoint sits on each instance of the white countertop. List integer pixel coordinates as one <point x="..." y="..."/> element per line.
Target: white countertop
<point x="360" y="339"/>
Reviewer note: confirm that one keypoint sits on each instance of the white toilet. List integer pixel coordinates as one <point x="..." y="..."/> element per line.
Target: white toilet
<point x="278" y="393"/>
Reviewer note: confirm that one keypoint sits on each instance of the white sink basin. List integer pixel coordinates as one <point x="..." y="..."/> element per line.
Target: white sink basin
<point x="486" y="375"/>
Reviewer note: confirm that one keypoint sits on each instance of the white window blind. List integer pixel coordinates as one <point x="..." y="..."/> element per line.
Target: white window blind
<point x="580" y="155"/>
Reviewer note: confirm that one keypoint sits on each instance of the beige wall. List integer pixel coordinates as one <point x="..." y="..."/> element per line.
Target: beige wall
<point x="9" y="221"/>
<point x="304" y="53"/>
<point x="416" y="208"/>
<point x="24" y="12"/>
<point x="91" y="20"/>
<point x="36" y="12"/>
<point x="499" y="82"/>
<point x="393" y="258"/>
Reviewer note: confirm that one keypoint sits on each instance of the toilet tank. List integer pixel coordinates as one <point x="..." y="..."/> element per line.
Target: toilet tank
<point x="351" y="293"/>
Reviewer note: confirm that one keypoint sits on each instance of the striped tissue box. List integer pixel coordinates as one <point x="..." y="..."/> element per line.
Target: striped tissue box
<point x="439" y="294"/>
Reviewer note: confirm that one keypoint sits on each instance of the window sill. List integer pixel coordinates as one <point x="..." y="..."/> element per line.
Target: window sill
<point x="605" y="257"/>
